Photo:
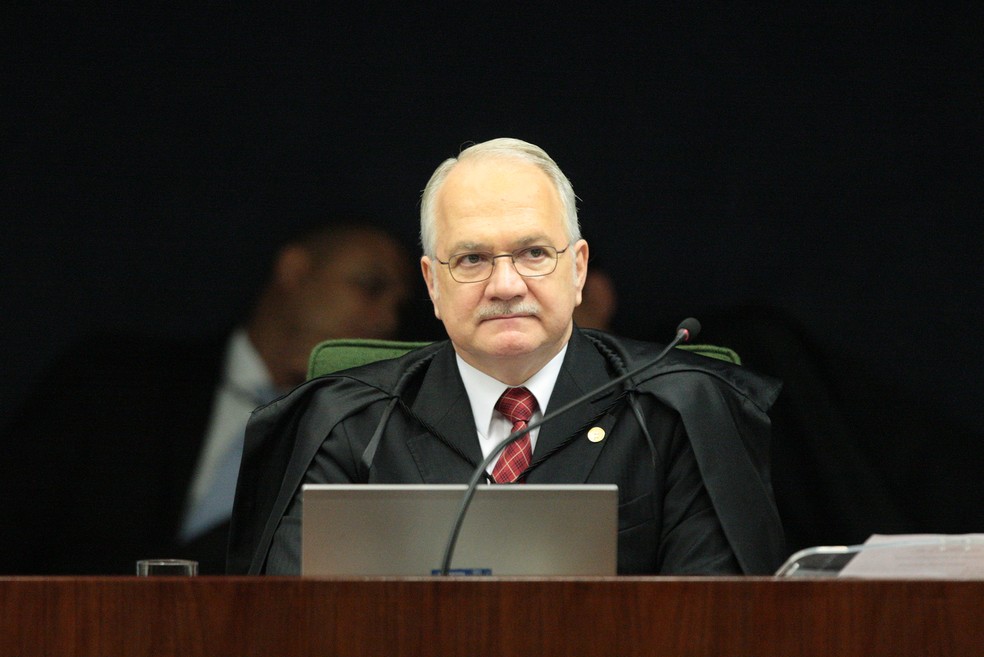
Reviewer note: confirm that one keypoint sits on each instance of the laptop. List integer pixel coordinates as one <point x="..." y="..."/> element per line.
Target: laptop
<point x="402" y="529"/>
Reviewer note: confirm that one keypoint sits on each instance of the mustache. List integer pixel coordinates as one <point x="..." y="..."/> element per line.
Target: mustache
<point x="504" y="308"/>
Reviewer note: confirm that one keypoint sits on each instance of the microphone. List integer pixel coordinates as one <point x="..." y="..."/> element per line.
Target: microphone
<point x="690" y="328"/>
<point x="686" y="331"/>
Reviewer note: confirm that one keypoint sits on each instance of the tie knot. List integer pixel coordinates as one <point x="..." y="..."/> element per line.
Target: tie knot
<point x="517" y="404"/>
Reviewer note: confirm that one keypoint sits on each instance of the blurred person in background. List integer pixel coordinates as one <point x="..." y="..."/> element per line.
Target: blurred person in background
<point x="130" y="446"/>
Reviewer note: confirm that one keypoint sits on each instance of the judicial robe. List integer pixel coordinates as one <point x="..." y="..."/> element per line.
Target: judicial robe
<point x="707" y="420"/>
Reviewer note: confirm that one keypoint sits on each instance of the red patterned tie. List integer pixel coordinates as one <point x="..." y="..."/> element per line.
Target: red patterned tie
<point x="517" y="404"/>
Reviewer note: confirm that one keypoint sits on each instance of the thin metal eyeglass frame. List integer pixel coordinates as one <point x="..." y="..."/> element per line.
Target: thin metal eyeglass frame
<point x="511" y="256"/>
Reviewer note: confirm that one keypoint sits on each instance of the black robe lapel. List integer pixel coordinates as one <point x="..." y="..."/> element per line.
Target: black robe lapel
<point x="446" y="447"/>
<point x="563" y="450"/>
<point x="445" y="444"/>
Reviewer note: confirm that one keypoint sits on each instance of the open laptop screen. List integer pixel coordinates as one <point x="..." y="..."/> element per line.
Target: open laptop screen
<point x="402" y="529"/>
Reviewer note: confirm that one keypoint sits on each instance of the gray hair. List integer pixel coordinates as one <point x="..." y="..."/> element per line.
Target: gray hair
<point x="497" y="148"/>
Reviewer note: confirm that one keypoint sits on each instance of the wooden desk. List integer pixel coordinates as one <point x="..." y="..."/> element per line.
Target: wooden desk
<point x="212" y="616"/>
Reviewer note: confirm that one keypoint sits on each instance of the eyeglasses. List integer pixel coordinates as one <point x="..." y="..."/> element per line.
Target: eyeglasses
<point x="476" y="266"/>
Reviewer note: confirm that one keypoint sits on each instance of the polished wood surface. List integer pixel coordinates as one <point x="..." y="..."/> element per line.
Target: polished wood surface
<point x="604" y="616"/>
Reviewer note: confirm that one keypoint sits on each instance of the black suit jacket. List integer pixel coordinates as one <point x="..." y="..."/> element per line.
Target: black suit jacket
<point x="706" y="505"/>
<point x="98" y="462"/>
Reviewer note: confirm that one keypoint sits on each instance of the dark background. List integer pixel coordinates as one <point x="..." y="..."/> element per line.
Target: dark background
<point x="822" y="164"/>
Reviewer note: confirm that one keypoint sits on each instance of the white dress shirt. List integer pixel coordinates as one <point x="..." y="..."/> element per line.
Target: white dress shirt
<point x="245" y="384"/>
<point x="484" y="391"/>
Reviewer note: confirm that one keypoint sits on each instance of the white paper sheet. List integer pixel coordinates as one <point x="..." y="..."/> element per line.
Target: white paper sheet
<point x="919" y="556"/>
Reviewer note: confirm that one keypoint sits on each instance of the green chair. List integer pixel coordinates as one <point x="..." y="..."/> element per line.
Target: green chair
<point x="334" y="355"/>
<point x="712" y="351"/>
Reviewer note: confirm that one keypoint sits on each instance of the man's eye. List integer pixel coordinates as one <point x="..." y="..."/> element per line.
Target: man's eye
<point x="471" y="259"/>
<point x="371" y="286"/>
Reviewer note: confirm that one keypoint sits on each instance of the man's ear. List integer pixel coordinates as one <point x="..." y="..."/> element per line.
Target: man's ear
<point x="292" y="265"/>
<point x="429" y="272"/>
<point x="580" y="267"/>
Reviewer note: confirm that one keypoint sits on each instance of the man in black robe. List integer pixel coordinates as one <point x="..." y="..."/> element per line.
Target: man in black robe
<point x="686" y="441"/>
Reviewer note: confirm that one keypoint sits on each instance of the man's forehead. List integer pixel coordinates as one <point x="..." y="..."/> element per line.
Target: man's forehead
<point x="500" y="203"/>
<point x="507" y="242"/>
<point x="373" y="254"/>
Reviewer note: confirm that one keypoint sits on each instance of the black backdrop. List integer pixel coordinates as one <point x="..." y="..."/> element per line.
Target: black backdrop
<point x="823" y="164"/>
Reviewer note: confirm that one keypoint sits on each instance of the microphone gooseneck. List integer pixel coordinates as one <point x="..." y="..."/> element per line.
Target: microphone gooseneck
<point x="686" y="331"/>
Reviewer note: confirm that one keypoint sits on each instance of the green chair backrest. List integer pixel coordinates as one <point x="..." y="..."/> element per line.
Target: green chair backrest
<point x="712" y="351"/>
<point x="334" y="355"/>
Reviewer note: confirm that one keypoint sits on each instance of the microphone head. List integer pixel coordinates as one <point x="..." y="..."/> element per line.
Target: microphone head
<point x="690" y="327"/>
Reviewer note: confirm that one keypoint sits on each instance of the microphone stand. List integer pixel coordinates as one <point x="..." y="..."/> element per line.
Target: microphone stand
<point x="687" y="329"/>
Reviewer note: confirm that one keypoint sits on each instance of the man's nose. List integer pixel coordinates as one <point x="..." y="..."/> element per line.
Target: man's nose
<point x="505" y="281"/>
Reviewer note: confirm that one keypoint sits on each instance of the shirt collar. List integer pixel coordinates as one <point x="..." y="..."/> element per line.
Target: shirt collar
<point x="244" y="368"/>
<point x="484" y="391"/>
